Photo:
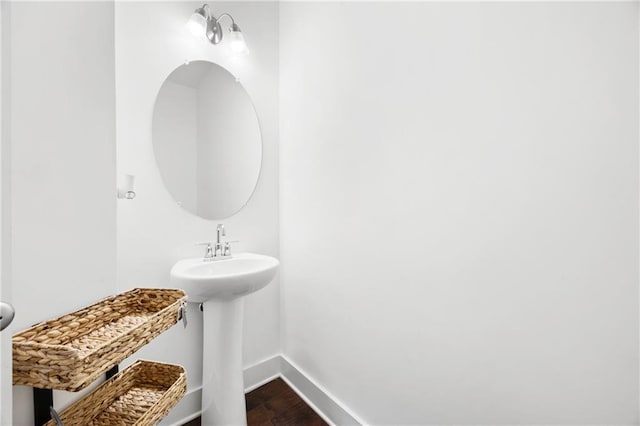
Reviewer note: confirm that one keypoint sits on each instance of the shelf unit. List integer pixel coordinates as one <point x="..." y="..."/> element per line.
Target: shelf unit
<point x="70" y="352"/>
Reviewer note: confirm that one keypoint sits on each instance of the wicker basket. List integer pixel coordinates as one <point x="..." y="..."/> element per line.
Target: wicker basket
<point x="70" y="352"/>
<point x="141" y="395"/>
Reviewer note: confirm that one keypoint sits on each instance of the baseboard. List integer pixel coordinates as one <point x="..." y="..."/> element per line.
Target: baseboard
<point x="326" y="405"/>
<point x="261" y="373"/>
<point x="319" y="399"/>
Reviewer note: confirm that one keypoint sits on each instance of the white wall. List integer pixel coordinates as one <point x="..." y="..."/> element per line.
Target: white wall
<point x="61" y="122"/>
<point x="459" y="209"/>
<point x="153" y="231"/>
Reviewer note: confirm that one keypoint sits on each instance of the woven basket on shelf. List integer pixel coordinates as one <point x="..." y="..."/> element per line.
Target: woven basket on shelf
<point x="70" y="352"/>
<point x="141" y="395"/>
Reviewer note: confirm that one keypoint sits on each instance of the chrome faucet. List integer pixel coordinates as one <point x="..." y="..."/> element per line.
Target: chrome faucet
<point x="218" y="249"/>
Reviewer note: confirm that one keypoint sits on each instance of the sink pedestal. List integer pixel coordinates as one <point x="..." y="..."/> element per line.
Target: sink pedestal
<point x="221" y="285"/>
<point x="223" y="400"/>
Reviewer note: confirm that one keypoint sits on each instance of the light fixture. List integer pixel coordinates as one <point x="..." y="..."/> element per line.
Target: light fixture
<point x="236" y="41"/>
<point x="198" y="22"/>
<point x="203" y="23"/>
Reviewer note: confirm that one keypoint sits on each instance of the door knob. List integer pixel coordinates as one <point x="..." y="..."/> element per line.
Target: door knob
<point x="6" y="315"/>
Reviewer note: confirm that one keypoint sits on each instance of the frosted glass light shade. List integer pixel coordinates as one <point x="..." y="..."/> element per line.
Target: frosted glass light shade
<point x="197" y="24"/>
<point x="237" y="45"/>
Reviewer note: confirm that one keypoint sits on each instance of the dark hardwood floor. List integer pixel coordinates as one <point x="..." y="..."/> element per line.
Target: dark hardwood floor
<point x="276" y="404"/>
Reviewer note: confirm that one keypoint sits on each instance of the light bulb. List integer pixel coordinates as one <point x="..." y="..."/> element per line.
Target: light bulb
<point x="237" y="45"/>
<point x="198" y="23"/>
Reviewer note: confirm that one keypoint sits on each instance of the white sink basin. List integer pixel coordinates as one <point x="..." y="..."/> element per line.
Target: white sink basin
<point x="229" y="278"/>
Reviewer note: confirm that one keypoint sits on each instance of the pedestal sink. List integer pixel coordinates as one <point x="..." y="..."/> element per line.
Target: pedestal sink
<point x="220" y="285"/>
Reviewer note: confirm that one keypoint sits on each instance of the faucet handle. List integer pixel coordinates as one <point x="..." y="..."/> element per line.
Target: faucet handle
<point x="227" y="247"/>
<point x="211" y="252"/>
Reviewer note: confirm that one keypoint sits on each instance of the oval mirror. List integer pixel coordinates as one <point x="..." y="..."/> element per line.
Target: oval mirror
<point x="206" y="140"/>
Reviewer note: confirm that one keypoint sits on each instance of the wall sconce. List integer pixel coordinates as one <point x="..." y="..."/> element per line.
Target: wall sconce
<point x="203" y="23"/>
<point x="126" y="189"/>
